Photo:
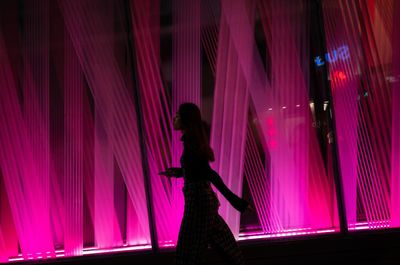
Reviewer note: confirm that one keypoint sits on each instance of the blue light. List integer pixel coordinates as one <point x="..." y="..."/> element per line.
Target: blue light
<point x="318" y="61"/>
<point x="342" y="53"/>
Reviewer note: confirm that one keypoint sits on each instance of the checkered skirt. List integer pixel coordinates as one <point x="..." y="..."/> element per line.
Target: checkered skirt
<point x="202" y="225"/>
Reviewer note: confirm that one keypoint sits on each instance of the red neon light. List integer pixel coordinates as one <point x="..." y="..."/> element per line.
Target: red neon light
<point x="338" y="76"/>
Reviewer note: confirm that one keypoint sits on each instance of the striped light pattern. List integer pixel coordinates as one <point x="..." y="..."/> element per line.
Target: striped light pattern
<point x="156" y="116"/>
<point x="228" y="129"/>
<point x="296" y="172"/>
<point x="109" y="90"/>
<point x="73" y="153"/>
<point x="365" y="98"/>
<point x="297" y="181"/>
<point x="25" y="138"/>
<point x="186" y="77"/>
<point x="84" y="97"/>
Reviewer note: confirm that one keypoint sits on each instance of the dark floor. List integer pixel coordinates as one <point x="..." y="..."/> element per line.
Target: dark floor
<point x="372" y="247"/>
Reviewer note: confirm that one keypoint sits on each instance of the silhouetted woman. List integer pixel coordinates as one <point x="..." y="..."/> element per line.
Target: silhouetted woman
<point x="201" y="224"/>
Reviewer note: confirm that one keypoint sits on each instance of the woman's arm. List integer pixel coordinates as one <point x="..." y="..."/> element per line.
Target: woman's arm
<point x="237" y="202"/>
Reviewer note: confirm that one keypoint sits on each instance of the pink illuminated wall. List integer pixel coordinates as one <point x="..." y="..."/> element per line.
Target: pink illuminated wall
<point x="70" y="132"/>
<point x="366" y="108"/>
<point x="295" y="174"/>
<point x="88" y="90"/>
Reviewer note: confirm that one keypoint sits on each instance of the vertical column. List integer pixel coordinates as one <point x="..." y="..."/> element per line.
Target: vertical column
<point x="395" y="180"/>
<point x="73" y="153"/>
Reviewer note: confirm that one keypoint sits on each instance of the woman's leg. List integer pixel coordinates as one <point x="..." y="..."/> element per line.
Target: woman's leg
<point x="222" y="239"/>
<point x="192" y="239"/>
<point x="192" y="242"/>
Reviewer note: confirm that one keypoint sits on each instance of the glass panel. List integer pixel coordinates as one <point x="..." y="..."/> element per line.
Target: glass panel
<point x="72" y="180"/>
<point x="363" y="60"/>
<point x="261" y="99"/>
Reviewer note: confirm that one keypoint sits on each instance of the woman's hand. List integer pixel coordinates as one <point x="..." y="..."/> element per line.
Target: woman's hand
<point x="172" y="172"/>
<point x="242" y="206"/>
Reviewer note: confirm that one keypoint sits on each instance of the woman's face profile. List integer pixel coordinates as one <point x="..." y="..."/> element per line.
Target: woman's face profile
<point x="177" y="122"/>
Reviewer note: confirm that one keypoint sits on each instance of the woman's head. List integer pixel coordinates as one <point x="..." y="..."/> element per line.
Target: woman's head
<point x="188" y="119"/>
<point x="189" y="116"/>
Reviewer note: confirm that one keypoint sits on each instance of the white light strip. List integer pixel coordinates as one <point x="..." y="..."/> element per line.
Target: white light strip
<point x="242" y="237"/>
<point x="86" y="251"/>
<point x="114" y="250"/>
<point x="286" y="233"/>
